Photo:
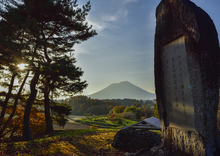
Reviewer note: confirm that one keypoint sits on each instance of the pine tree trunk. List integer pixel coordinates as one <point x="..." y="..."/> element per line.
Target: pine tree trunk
<point x="49" y="124"/>
<point x="7" y="98"/>
<point x="4" y="126"/>
<point x="27" y="132"/>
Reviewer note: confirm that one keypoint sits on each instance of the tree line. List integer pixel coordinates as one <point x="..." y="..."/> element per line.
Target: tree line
<point x="83" y="105"/>
<point x="39" y="34"/>
<point x="130" y="102"/>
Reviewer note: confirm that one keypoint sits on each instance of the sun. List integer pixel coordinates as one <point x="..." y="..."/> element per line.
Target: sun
<point x="22" y="66"/>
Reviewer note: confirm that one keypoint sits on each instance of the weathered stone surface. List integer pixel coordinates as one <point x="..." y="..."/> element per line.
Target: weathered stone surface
<point x="160" y="151"/>
<point x="163" y="151"/>
<point x="130" y="140"/>
<point x="186" y="77"/>
<point x="142" y="152"/>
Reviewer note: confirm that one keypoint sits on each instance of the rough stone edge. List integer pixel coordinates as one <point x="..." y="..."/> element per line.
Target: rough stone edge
<point x="205" y="52"/>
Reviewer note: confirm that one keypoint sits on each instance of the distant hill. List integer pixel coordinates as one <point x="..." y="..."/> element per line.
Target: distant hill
<point x="123" y="90"/>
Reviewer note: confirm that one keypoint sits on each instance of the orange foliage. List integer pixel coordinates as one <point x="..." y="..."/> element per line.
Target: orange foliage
<point x="37" y="120"/>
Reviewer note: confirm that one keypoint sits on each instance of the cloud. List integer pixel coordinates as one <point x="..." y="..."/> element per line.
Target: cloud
<point x="129" y="1"/>
<point x="151" y="22"/>
<point x="97" y="25"/>
<point x="110" y="20"/>
<point x="80" y="50"/>
<point x="120" y="14"/>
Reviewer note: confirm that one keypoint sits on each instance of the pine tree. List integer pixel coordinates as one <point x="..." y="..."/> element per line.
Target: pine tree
<point x="13" y="43"/>
<point x="59" y="25"/>
<point x="43" y="32"/>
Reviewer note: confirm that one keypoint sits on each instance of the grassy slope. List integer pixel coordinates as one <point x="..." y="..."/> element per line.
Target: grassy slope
<point x="106" y="122"/>
<point x="71" y="142"/>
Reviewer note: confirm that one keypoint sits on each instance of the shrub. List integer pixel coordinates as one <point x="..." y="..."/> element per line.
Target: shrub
<point x="60" y="121"/>
<point x="87" y="114"/>
<point x="148" y="111"/>
<point x="143" y="117"/>
<point x="120" y="122"/>
<point x="94" y="126"/>
<point x="60" y="113"/>
<point x="110" y="112"/>
<point x="118" y="109"/>
<point x="137" y="105"/>
<point x="139" y="113"/>
<point x="131" y="109"/>
<point x="128" y="115"/>
<point x="112" y="116"/>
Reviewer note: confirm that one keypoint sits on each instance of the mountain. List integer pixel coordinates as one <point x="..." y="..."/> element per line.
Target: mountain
<point x="123" y="90"/>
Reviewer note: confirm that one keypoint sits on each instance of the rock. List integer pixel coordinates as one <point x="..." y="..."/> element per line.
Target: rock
<point x="160" y="151"/>
<point x="142" y="152"/>
<point x="130" y="140"/>
<point x="129" y="154"/>
<point x="164" y="151"/>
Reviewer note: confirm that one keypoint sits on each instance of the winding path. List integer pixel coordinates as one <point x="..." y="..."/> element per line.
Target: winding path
<point x="70" y="125"/>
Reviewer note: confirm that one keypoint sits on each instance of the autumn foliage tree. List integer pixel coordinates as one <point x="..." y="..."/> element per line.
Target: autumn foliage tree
<point x="119" y="109"/>
<point x="37" y="120"/>
<point x="137" y="105"/>
<point x="15" y="126"/>
<point x="131" y="109"/>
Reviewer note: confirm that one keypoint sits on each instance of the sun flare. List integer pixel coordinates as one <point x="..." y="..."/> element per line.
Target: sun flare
<point x="22" y="66"/>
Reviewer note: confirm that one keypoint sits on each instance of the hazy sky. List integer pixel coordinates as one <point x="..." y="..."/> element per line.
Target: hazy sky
<point x="123" y="50"/>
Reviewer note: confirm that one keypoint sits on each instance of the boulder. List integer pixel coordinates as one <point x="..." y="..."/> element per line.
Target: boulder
<point x="130" y="140"/>
<point x="160" y="151"/>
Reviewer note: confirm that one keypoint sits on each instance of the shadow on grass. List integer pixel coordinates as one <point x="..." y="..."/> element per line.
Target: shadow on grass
<point x="102" y="125"/>
<point x="56" y="143"/>
<point x="66" y="143"/>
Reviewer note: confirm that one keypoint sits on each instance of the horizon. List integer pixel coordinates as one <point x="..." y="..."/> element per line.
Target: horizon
<point x="63" y="98"/>
<point x="118" y="83"/>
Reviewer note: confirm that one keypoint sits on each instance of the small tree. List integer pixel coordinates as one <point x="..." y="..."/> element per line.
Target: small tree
<point x="148" y="110"/>
<point x="110" y="112"/>
<point x="137" y="105"/>
<point x="60" y="113"/>
<point x="131" y="109"/>
<point x="139" y="113"/>
<point x="128" y="115"/>
<point x="119" y="109"/>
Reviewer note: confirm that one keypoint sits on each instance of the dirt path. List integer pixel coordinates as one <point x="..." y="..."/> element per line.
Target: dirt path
<point x="71" y="125"/>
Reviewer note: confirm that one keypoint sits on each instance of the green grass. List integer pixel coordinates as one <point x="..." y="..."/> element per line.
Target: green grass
<point x="104" y="122"/>
<point x="63" y="133"/>
<point x="65" y="142"/>
<point x="156" y="131"/>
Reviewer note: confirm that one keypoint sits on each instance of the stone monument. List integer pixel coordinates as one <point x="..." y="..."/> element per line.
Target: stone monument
<point x="186" y="77"/>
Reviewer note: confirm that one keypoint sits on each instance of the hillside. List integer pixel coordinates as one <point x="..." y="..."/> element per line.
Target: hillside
<point x="123" y="90"/>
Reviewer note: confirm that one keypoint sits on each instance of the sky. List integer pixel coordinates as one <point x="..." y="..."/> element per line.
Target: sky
<point x="123" y="50"/>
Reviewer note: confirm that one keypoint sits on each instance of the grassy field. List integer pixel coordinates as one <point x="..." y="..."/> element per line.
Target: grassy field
<point x="67" y="142"/>
<point x="105" y="122"/>
<point x="83" y="142"/>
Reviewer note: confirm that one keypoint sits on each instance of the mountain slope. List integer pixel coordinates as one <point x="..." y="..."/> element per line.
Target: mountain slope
<point x="123" y="90"/>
